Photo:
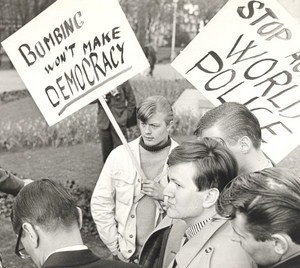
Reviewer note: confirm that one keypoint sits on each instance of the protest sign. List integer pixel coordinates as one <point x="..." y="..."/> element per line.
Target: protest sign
<point x="74" y="52"/>
<point x="249" y="53"/>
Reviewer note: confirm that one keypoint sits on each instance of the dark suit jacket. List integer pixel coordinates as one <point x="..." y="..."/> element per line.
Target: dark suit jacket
<point x="9" y="183"/>
<point x="122" y="107"/>
<point x="290" y="263"/>
<point x="82" y="259"/>
<point x="157" y="251"/>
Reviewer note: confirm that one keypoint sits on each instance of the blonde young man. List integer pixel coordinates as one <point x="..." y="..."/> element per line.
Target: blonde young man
<point x="125" y="208"/>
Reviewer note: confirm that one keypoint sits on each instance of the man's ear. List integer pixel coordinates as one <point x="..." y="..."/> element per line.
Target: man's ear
<point x="32" y="234"/>
<point x="79" y="217"/>
<point x="281" y="244"/>
<point x="245" y="144"/>
<point x="211" y="197"/>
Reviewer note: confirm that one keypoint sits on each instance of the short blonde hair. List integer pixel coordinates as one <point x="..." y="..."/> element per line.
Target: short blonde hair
<point x="152" y="105"/>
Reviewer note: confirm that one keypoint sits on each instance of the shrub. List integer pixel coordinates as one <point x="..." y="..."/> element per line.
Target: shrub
<point x="82" y="196"/>
<point x="171" y="89"/>
<point x="78" y="128"/>
<point x="184" y="124"/>
<point x="81" y="127"/>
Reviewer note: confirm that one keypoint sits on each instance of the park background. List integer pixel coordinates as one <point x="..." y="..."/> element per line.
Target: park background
<point x="69" y="151"/>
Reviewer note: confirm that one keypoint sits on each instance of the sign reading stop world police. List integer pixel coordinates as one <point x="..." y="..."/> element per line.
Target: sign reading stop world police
<point x="249" y="53"/>
<point x="74" y="52"/>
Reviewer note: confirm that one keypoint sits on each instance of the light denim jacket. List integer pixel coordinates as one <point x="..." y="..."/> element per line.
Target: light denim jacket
<point x="112" y="204"/>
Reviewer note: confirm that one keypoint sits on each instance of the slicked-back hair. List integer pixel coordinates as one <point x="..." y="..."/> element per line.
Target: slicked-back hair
<point x="234" y="120"/>
<point x="269" y="199"/>
<point x="44" y="203"/>
<point x="214" y="164"/>
<point x="153" y="104"/>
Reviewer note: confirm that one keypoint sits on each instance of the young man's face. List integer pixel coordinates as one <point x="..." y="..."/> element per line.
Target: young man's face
<point x="261" y="252"/>
<point x="182" y="197"/>
<point x="155" y="131"/>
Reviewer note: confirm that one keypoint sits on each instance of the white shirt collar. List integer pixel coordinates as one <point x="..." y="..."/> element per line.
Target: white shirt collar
<point x="71" y="248"/>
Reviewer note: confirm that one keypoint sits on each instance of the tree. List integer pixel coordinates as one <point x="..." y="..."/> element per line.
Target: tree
<point x="182" y="37"/>
<point x="206" y="9"/>
<point x="148" y="18"/>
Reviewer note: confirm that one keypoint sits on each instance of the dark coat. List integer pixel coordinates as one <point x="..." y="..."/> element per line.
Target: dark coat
<point x="150" y="55"/>
<point x="82" y="259"/>
<point x="122" y="106"/>
<point x="153" y="254"/>
<point x="291" y="263"/>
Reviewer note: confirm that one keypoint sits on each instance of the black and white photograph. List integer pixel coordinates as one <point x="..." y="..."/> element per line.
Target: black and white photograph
<point x="150" y="133"/>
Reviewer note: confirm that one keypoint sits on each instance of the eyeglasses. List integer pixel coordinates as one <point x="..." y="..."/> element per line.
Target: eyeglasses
<point x="20" y="250"/>
<point x="1" y="264"/>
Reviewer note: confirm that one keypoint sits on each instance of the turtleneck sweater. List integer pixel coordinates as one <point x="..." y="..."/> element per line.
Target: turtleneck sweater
<point x="152" y="161"/>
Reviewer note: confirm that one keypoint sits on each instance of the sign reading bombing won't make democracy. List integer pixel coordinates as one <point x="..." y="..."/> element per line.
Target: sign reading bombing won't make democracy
<point x="249" y="53"/>
<point x="74" y="52"/>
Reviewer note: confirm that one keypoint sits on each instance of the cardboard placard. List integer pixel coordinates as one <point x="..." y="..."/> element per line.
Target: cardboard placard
<point x="73" y="53"/>
<point x="249" y="53"/>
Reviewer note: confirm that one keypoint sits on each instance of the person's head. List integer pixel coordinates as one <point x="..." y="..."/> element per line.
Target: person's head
<point x="198" y="171"/>
<point x="45" y="217"/>
<point x="155" y="115"/>
<point x="264" y="208"/>
<point x="235" y="125"/>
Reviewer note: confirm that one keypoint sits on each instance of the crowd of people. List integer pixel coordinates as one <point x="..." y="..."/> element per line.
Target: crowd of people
<point x="214" y="201"/>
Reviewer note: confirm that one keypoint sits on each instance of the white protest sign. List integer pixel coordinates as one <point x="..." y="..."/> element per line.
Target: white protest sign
<point x="248" y="53"/>
<point x="74" y="52"/>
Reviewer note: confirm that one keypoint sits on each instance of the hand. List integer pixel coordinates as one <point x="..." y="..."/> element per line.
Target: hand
<point x="153" y="189"/>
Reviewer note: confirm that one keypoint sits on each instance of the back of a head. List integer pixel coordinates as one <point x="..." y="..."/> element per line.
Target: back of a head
<point x="46" y="204"/>
<point x="234" y="120"/>
<point x="269" y="199"/>
<point x="152" y="105"/>
<point x="215" y="165"/>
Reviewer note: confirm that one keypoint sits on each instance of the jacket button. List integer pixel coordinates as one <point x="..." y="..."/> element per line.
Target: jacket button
<point x="208" y="250"/>
<point x="132" y="216"/>
<point x="131" y="236"/>
<point x="129" y="251"/>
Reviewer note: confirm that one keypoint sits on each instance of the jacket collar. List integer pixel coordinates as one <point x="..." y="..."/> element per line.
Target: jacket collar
<point x="70" y="258"/>
<point x="188" y="252"/>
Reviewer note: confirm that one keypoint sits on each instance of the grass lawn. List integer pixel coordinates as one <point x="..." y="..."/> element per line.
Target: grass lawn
<point x="81" y="163"/>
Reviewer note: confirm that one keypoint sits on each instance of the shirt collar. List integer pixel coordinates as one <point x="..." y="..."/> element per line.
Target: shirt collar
<point x="196" y="228"/>
<point x="71" y="248"/>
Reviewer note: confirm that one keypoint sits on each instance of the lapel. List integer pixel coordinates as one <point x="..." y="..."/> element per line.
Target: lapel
<point x="166" y="222"/>
<point x="192" y="248"/>
<point x="134" y="146"/>
<point x="174" y="241"/>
